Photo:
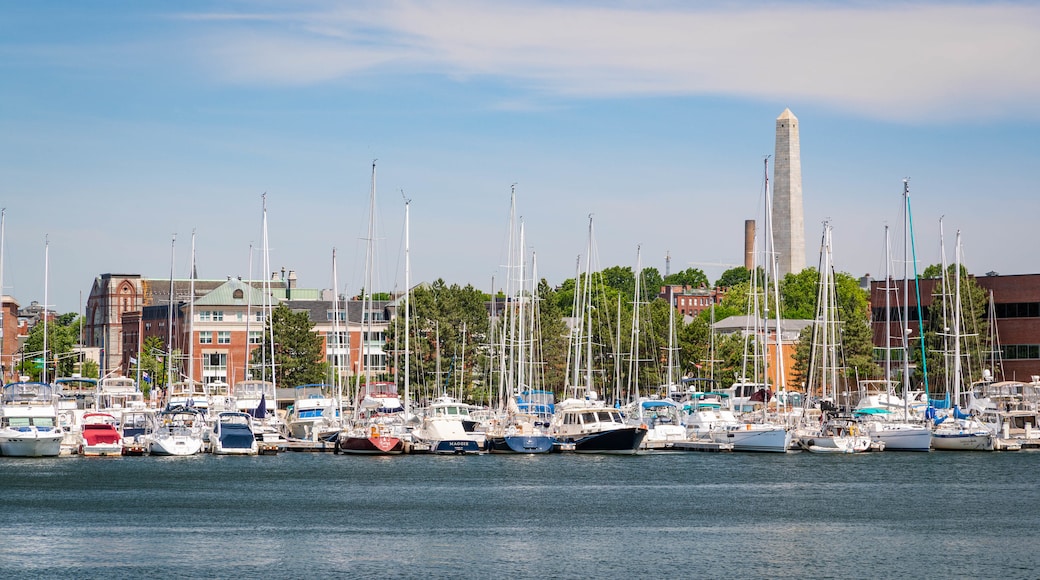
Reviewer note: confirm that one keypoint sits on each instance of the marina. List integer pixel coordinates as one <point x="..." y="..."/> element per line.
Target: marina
<point x="551" y="515"/>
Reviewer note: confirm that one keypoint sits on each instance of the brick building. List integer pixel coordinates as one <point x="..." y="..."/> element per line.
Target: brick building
<point x="9" y="338"/>
<point x="228" y="325"/>
<point x="1016" y="301"/>
<point x="690" y="301"/>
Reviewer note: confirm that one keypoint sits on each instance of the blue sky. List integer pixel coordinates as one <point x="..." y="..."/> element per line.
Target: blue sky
<point x="123" y="123"/>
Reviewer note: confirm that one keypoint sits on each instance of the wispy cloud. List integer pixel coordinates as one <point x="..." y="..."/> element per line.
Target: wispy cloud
<point x="889" y="60"/>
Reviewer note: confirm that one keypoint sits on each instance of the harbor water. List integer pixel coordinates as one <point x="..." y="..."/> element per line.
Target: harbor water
<point x="684" y="515"/>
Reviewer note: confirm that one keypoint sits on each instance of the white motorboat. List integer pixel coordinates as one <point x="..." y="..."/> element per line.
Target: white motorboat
<point x="28" y="421"/>
<point x="313" y="415"/>
<point x="444" y="428"/>
<point x="180" y="431"/>
<point x="233" y="435"/>
<point x="100" y="435"/>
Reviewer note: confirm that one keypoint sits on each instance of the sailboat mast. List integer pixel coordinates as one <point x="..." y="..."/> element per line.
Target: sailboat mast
<point x="249" y="314"/>
<point x="957" y="324"/>
<point x="46" y="282"/>
<point x="3" y="367"/>
<point x="534" y="374"/>
<point x="336" y="343"/>
<point x="191" y="317"/>
<point x="268" y="298"/>
<point x="407" y="295"/>
<point x="588" y="293"/>
<point x="904" y="331"/>
<point x="169" y="318"/>
<point x="917" y="285"/>
<point x="945" y="307"/>
<point x="888" y="325"/>
<point x="521" y="359"/>
<point x="633" y="364"/>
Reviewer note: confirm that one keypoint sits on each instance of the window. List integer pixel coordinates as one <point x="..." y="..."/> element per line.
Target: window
<point x="1021" y="351"/>
<point x="218" y="316"/>
<point x="238" y="294"/>
<point x="1018" y="310"/>
<point x="214" y="367"/>
<point x="224" y="337"/>
<point x="256" y="337"/>
<point x="240" y="317"/>
<point x="147" y="325"/>
<point x="205" y="338"/>
<point x="205" y="315"/>
<point x="258" y="316"/>
<point x="337" y="340"/>
<point x="338" y="361"/>
<point x="375" y="361"/>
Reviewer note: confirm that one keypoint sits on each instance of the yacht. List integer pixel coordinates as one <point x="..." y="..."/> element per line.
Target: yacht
<point x="314" y="414"/>
<point x="180" y="431"/>
<point x="443" y="427"/>
<point x="233" y="435"/>
<point x="591" y="427"/>
<point x="100" y="435"/>
<point x="28" y="421"/>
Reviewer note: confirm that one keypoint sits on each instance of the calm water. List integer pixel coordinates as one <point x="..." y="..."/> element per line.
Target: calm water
<point x="294" y="515"/>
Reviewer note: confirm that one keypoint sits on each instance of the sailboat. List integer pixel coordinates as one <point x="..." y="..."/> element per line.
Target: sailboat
<point x="890" y="420"/>
<point x="376" y="426"/>
<point x="958" y="430"/>
<point x="657" y="411"/>
<point x="836" y="433"/>
<point x="751" y="431"/>
<point x="523" y="427"/>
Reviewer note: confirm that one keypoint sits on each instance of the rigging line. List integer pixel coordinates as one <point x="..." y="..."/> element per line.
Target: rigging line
<point x="917" y="285"/>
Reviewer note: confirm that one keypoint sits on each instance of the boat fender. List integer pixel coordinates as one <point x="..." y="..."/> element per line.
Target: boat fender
<point x="852" y="430"/>
<point x="66" y="418"/>
<point x="375" y="431"/>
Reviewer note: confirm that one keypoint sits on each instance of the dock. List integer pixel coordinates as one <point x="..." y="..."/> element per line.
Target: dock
<point x="306" y="446"/>
<point x="702" y="446"/>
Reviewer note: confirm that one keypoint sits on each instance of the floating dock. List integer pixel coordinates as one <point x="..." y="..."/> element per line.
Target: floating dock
<point x="702" y="446"/>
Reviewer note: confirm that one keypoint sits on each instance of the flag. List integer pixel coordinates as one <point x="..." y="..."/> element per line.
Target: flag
<point x="133" y="360"/>
<point x="146" y="378"/>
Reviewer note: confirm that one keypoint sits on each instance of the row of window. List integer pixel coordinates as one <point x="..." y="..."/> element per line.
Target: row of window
<point x="1007" y="310"/>
<point x="693" y="301"/>
<point x="218" y="316"/>
<point x="1018" y="310"/>
<point x="1020" y="351"/>
<point x="374" y="316"/>
<point x="224" y="337"/>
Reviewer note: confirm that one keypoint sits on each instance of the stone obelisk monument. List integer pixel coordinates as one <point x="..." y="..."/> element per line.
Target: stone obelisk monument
<point x="788" y="218"/>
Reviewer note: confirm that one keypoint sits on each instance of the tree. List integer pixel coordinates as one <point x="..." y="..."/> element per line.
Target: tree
<point x="939" y="332"/>
<point x="693" y="277"/>
<point x="733" y="276"/>
<point x="298" y="354"/>
<point x="153" y="351"/>
<point x="452" y="323"/>
<point x="62" y="335"/>
<point x="650" y="283"/>
<point x="799" y="296"/>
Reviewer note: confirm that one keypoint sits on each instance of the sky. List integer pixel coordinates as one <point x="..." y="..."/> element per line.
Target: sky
<point x="127" y="126"/>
